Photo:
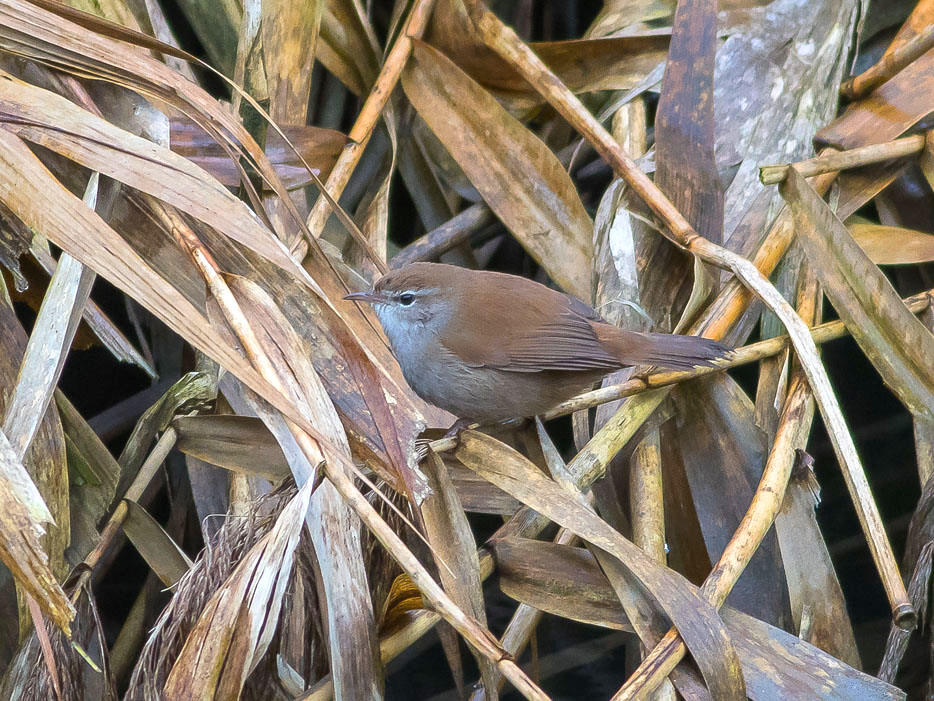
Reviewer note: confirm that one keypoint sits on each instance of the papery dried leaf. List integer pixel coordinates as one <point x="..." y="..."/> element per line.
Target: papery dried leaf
<point x="54" y="122"/>
<point x="518" y="176"/>
<point x="619" y="14"/>
<point x="47" y="350"/>
<point x="891" y="245"/>
<point x="347" y="45"/>
<point x="812" y="580"/>
<point x="899" y="345"/>
<point x="162" y="554"/>
<point x="584" y="65"/>
<point x="46" y="206"/>
<point x="40" y="480"/>
<point x="722" y="453"/>
<point x="89" y="501"/>
<point x="684" y="126"/>
<point x="319" y="147"/>
<point x="84" y="41"/>
<point x="15" y="239"/>
<point x="695" y="617"/>
<point x="238" y="443"/>
<point x="775" y="663"/>
<point x="769" y="102"/>
<point x="888" y="112"/>
<point x="290" y="33"/>
<point x="191" y="392"/>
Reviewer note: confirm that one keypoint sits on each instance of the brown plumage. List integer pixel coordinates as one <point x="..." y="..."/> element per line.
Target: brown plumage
<point x="489" y="346"/>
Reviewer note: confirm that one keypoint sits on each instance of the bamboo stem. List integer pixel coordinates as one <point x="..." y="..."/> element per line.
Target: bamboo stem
<point x="891" y="63"/>
<point x="647" y="507"/>
<point x="366" y="121"/>
<point x="146" y="472"/>
<point x="449" y="235"/>
<point x="758" y="519"/>
<point x="505" y="43"/>
<point x="765" y="505"/>
<point x="831" y="161"/>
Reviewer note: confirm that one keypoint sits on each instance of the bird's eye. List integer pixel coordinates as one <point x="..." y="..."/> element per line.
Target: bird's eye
<point x="407" y="299"/>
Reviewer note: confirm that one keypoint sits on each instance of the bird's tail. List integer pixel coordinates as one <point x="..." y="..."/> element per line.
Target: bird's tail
<point x="664" y="349"/>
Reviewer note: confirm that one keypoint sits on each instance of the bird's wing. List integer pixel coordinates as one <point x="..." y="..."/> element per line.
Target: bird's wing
<point x="543" y="341"/>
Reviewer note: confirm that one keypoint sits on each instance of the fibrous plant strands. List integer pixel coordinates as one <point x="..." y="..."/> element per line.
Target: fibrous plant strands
<point x="28" y="677"/>
<point x="218" y="560"/>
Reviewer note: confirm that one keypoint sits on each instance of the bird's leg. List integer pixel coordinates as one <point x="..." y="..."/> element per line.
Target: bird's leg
<point x="459" y="426"/>
<point x="421" y="444"/>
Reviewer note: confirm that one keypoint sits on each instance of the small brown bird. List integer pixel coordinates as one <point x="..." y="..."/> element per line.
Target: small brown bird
<point x="488" y="346"/>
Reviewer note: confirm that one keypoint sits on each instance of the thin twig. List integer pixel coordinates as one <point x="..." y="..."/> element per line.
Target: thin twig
<point x="891" y="63"/>
<point x="146" y="472"/>
<point x="449" y="235"/>
<point x="844" y="160"/>
<point x="370" y="113"/>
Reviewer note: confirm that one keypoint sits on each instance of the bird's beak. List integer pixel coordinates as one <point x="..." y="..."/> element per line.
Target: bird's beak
<point x="370" y="296"/>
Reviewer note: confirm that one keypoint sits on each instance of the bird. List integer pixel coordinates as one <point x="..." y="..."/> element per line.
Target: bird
<point x="489" y="347"/>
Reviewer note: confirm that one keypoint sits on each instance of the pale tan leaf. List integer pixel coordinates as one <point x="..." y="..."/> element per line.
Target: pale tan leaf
<point x="45" y="205"/>
<point x="239" y="443"/>
<point x="891" y="245"/>
<point x="58" y="124"/>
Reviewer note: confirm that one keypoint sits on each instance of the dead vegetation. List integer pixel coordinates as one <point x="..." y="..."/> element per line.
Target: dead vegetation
<point x="301" y="519"/>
